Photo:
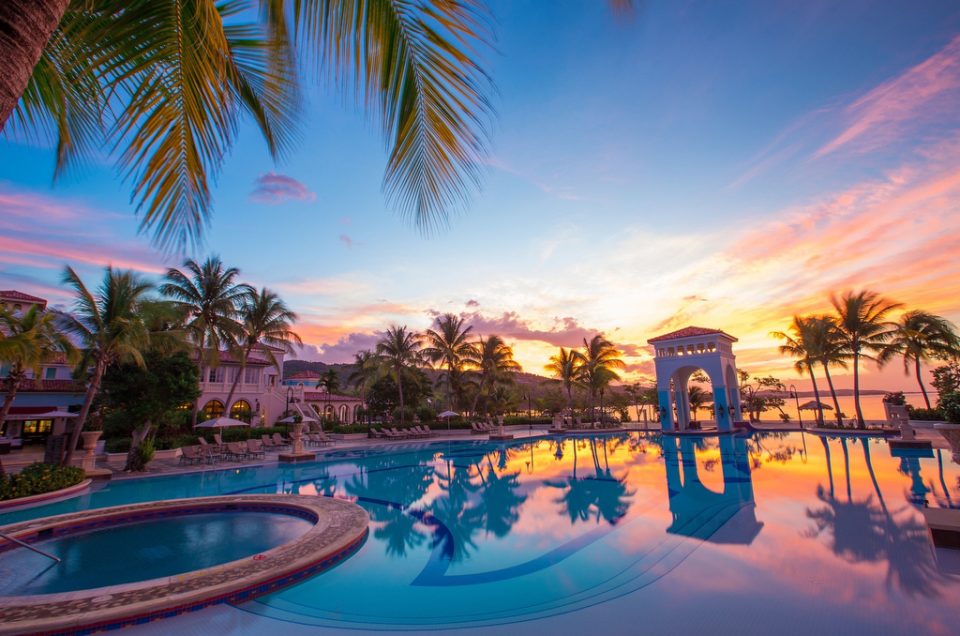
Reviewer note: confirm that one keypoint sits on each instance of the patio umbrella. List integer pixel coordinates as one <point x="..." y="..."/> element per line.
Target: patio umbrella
<point x="221" y="423"/>
<point x="447" y="415"/>
<point x="813" y="405"/>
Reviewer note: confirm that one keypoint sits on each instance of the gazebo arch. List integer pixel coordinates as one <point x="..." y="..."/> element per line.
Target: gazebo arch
<point x="677" y="356"/>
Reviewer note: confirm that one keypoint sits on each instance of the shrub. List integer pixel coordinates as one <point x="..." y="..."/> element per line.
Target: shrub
<point x="897" y="398"/>
<point x="39" y="478"/>
<point x="143" y="455"/>
<point x="950" y="407"/>
<point x="924" y="414"/>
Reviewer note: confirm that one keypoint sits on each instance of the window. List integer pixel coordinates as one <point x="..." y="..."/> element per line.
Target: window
<point x="251" y="376"/>
<point x="50" y="373"/>
<point x="241" y="411"/>
<point x="215" y="374"/>
<point x="213" y="409"/>
<point x="37" y="427"/>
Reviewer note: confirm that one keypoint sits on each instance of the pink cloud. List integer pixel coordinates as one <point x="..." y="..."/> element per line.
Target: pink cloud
<point x="926" y="90"/>
<point x="52" y="253"/>
<point x="346" y="240"/>
<point x="276" y="188"/>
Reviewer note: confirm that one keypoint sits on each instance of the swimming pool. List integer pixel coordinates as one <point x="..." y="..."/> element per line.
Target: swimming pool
<point x="774" y="532"/>
<point x="146" y="549"/>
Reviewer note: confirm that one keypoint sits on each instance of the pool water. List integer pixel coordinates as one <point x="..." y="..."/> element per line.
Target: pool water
<point x="142" y="550"/>
<point x="787" y="533"/>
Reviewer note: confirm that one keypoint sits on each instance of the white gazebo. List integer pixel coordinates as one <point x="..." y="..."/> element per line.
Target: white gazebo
<point x="680" y="354"/>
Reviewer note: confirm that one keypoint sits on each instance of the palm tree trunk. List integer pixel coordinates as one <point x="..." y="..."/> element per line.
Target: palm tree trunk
<point x="25" y="27"/>
<point x="826" y="454"/>
<point x="861" y="423"/>
<point x="916" y="366"/>
<point x="400" y="391"/>
<point x="846" y="466"/>
<point x="196" y="403"/>
<point x="236" y="380"/>
<point x="84" y="412"/>
<point x="816" y="395"/>
<point x="8" y="400"/>
<point x="833" y="393"/>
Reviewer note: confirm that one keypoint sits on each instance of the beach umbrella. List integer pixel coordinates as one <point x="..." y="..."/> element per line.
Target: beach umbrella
<point x="447" y="415"/>
<point x="221" y="423"/>
<point x="813" y="405"/>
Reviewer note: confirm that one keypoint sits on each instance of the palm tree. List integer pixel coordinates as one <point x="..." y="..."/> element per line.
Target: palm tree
<point x="493" y="360"/>
<point x="833" y="352"/>
<point x="447" y="345"/>
<point x="699" y="398"/>
<point x="918" y="337"/>
<point x="861" y="319"/>
<point x="211" y="300"/>
<point x="805" y="344"/>
<point x="109" y="328"/>
<point x="565" y="367"/>
<point x="265" y="320"/>
<point x="599" y="361"/>
<point x="400" y="351"/>
<point x="166" y="83"/>
<point x="367" y="369"/>
<point x="27" y="342"/>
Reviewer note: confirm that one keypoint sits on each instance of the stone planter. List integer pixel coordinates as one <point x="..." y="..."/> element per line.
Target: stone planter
<point x="90" y="446"/>
<point x="951" y="432"/>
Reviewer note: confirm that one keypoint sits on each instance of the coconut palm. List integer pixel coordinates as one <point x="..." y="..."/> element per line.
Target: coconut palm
<point x="367" y="369"/>
<point x="210" y="298"/>
<point x="861" y="320"/>
<point x="493" y="361"/>
<point x="565" y="367"/>
<point x="699" y="398"/>
<point x="599" y="362"/>
<point x="27" y="342"/>
<point x="805" y="342"/>
<point x="165" y="84"/>
<point x="920" y="336"/>
<point x="110" y="328"/>
<point x="833" y="353"/>
<point x="399" y="349"/>
<point x="448" y="346"/>
<point x="265" y="320"/>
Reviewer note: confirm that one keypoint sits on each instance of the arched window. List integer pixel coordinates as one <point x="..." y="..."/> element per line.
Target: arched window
<point x="241" y="411"/>
<point x="343" y="413"/>
<point x="212" y="409"/>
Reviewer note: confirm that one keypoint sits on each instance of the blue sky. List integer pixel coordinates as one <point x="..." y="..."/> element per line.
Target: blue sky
<point x="715" y="163"/>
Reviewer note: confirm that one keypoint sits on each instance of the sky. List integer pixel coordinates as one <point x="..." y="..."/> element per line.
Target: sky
<point x="719" y="164"/>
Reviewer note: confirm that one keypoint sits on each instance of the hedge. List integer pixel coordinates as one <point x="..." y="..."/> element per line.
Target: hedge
<point x="37" y="479"/>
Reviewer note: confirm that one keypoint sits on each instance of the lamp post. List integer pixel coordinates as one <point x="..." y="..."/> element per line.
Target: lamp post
<point x="796" y="399"/>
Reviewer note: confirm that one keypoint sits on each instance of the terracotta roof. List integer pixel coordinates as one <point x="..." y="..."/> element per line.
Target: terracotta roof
<point x="13" y="294"/>
<point x="689" y="332"/>
<point x="304" y="375"/>
<point x="34" y="410"/>
<point x="320" y="396"/>
<point x="226" y="356"/>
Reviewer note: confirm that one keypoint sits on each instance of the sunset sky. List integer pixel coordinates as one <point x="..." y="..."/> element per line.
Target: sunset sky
<point x="710" y="163"/>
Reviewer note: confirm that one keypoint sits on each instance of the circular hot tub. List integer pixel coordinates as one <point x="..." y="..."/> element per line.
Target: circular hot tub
<point x="134" y="563"/>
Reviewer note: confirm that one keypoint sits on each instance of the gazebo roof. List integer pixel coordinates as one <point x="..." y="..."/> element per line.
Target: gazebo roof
<point x="690" y="332"/>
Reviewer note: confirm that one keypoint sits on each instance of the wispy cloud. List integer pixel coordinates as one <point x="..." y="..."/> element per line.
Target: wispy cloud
<point x="924" y="91"/>
<point x="276" y="188"/>
<point x="346" y="240"/>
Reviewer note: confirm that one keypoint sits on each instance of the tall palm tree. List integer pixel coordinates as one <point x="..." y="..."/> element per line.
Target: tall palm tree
<point x="27" y="342"/>
<point x="399" y="349"/>
<point x="833" y="353"/>
<point x="920" y="336"/>
<point x="493" y="361"/>
<point x="265" y="320"/>
<point x="565" y="367"/>
<point x="367" y="369"/>
<point x="862" y="320"/>
<point x="110" y="329"/>
<point x="805" y="343"/>
<point x="166" y="83"/>
<point x="599" y="362"/>
<point x="211" y="300"/>
<point x="698" y="398"/>
<point x="448" y="346"/>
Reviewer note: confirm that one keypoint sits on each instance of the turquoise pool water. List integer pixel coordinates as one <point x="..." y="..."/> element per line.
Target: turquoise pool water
<point x="786" y="533"/>
<point x="142" y="550"/>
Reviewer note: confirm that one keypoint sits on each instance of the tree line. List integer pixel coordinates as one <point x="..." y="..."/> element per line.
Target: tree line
<point x="198" y="311"/>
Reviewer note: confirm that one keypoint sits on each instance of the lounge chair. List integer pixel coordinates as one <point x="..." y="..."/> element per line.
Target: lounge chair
<point x="268" y="444"/>
<point x="210" y="453"/>
<point x="190" y="455"/>
<point x="425" y="431"/>
<point x="376" y="433"/>
<point x="218" y="440"/>
<point x="279" y="440"/>
<point x="255" y="448"/>
<point x="236" y="450"/>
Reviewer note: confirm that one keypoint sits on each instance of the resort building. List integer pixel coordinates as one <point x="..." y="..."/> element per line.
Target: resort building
<point x="302" y="389"/>
<point x="259" y="397"/>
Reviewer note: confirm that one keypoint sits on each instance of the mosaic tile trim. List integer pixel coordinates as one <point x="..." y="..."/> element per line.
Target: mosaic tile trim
<point x="340" y="529"/>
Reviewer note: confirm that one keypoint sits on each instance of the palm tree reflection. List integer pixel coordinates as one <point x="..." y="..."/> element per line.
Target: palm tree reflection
<point x="866" y="530"/>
